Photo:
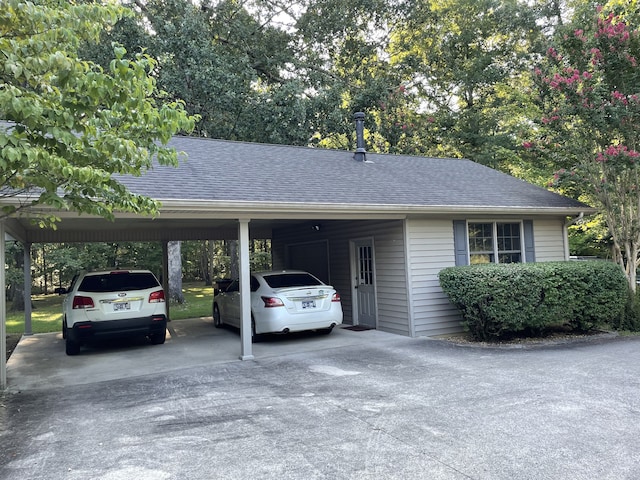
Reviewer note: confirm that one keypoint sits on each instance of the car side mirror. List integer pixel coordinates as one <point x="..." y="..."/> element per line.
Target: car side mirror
<point x="61" y="291"/>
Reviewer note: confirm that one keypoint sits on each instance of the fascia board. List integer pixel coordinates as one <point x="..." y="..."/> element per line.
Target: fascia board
<point x="253" y="209"/>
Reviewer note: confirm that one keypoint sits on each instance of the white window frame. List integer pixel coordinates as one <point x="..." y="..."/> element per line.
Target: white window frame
<point x="494" y="239"/>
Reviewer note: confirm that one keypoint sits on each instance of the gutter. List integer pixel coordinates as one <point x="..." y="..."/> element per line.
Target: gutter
<point x="251" y="209"/>
<point x="247" y="207"/>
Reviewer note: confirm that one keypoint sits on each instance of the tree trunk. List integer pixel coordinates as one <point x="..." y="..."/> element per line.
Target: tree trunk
<point x="17" y="302"/>
<point x="208" y="279"/>
<point x="16" y="292"/>
<point x="175" y="272"/>
<point x="233" y="257"/>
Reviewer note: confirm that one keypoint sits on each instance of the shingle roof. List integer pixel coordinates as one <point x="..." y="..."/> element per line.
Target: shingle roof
<point x="218" y="170"/>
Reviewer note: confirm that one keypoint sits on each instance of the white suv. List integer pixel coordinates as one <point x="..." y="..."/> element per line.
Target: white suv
<point x="112" y="304"/>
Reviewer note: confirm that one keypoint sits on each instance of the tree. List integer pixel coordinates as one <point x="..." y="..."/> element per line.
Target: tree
<point x="15" y="276"/>
<point x="590" y="88"/>
<point x="344" y="60"/>
<point x="73" y="125"/>
<point x="175" y="272"/>
<point x="468" y="59"/>
<point x="227" y="60"/>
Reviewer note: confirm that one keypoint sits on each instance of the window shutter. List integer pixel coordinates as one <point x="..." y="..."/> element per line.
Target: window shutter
<point x="460" y="242"/>
<point x="529" y="244"/>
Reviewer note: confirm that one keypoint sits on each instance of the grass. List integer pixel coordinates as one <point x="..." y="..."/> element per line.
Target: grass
<point x="198" y="301"/>
<point x="46" y="315"/>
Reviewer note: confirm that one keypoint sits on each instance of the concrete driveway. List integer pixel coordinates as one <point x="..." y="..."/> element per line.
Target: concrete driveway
<point x="351" y="405"/>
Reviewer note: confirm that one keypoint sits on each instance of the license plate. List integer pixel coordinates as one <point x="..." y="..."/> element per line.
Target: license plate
<point x="121" y="306"/>
<point x="309" y="304"/>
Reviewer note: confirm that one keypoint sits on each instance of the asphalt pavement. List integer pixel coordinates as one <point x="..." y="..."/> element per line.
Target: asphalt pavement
<point x="350" y="405"/>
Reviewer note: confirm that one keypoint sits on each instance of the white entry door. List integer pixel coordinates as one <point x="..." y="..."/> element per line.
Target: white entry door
<point x="364" y="283"/>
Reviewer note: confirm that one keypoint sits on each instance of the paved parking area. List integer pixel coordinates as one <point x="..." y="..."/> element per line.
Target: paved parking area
<point x="39" y="361"/>
<point x="351" y="405"/>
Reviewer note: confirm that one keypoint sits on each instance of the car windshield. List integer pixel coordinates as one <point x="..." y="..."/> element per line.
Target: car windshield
<point x="283" y="280"/>
<point x="118" y="281"/>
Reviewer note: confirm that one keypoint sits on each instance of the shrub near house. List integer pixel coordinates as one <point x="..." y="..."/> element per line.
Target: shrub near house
<point x="499" y="300"/>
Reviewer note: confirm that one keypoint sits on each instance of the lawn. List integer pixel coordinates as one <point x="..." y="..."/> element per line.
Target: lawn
<point x="46" y="315"/>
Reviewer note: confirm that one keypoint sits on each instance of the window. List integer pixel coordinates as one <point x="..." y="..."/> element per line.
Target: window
<point x="285" y="280"/>
<point x="495" y="242"/>
<point x="118" y="281"/>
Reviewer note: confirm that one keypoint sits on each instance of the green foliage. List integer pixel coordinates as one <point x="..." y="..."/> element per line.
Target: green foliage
<point x="231" y="67"/>
<point x="466" y="59"/>
<point x="73" y="123"/>
<point x="590" y="238"/>
<point x="443" y="78"/>
<point x="630" y="320"/>
<point x="499" y="300"/>
<point x="589" y="90"/>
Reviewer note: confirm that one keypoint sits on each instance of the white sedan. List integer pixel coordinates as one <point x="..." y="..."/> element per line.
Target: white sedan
<point x="281" y="302"/>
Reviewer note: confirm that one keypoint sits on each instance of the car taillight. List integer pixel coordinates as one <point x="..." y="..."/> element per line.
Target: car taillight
<point x="270" y="302"/>
<point x="82" y="302"/>
<point x="157" y="297"/>
<point x="336" y="297"/>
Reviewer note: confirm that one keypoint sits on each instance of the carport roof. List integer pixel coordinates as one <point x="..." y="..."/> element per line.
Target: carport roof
<point x="222" y="181"/>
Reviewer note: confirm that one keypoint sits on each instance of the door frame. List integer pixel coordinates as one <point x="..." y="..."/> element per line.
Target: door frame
<point x="353" y="260"/>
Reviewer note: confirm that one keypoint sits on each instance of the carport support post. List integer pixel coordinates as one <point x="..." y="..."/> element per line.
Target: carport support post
<point x="246" y="352"/>
<point x="3" y="312"/>
<point x="165" y="275"/>
<point x="27" y="288"/>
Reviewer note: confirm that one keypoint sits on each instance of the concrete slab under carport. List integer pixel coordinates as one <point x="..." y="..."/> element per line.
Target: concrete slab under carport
<point x="39" y="361"/>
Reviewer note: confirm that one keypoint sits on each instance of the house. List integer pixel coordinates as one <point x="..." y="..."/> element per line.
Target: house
<point x="377" y="227"/>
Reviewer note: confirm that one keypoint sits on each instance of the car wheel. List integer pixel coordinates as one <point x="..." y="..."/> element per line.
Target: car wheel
<point x="158" y="338"/>
<point x="72" y="347"/>
<point x="254" y="336"/>
<point x="217" y="320"/>
<point x="325" y="331"/>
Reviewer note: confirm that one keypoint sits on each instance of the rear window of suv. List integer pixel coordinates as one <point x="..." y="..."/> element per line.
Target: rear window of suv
<point x="118" y="281"/>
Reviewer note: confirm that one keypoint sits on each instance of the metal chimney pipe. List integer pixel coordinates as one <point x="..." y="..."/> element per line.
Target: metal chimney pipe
<point x="361" y="152"/>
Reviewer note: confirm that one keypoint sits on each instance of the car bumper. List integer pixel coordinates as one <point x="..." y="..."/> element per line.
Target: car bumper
<point x="152" y="325"/>
<point x="272" y="321"/>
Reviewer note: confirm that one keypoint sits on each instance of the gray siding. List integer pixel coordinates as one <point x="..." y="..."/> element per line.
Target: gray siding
<point x="390" y="261"/>
<point x="431" y="248"/>
<point x="550" y="239"/>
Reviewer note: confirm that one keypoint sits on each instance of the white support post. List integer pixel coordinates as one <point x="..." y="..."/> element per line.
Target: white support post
<point x="27" y="288"/>
<point x="165" y="275"/>
<point x="246" y="352"/>
<point x="3" y="312"/>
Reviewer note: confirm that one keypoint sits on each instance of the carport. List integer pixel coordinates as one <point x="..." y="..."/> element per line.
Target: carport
<point x="176" y="222"/>
<point x="206" y="198"/>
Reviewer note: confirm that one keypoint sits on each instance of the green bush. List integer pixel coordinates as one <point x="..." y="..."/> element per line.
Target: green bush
<point x="530" y="298"/>
<point x="630" y="320"/>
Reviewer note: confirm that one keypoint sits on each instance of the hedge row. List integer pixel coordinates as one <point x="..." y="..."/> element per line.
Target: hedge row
<point x="499" y="300"/>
